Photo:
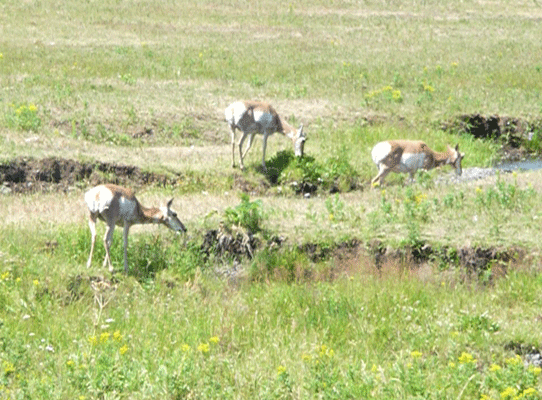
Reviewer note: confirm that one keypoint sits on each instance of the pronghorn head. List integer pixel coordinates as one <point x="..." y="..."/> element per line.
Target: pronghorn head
<point x="455" y="159"/>
<point x="169" y="218"/>
<point x="299" y="141"/>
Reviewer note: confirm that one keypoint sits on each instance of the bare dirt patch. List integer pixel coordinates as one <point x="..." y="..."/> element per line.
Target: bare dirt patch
<point x="25" y="175"/>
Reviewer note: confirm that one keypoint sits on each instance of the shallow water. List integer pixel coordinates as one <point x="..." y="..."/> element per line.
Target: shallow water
<point x="525" y="165"/>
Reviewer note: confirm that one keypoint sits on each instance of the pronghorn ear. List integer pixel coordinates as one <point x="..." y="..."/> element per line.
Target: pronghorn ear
<point x="169" y="203"/>
<point x="300" y="131"/>
<point x="457" y="147"/>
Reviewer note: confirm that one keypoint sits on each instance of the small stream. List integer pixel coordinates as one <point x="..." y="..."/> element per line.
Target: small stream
<point x="524" y="165"/>
<point x="475" y="173"/>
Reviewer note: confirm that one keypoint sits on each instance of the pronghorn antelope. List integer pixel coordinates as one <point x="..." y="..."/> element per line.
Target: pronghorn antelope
<point x="253" y="117"/>
<point x="118" y="206"/>
<point x="410" y="156"/>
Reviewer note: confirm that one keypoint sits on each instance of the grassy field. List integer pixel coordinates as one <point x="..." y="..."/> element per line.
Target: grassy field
<point x="312" y="315"/>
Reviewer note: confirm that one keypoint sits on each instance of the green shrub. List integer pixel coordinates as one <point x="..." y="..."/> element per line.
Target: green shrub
<point x="247" y="215"/>
<point x="335" y="174"/>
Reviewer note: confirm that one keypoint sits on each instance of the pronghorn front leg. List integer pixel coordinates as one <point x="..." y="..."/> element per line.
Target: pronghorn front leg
<point x="265" y="135"/>
<point x="126" y="230"/>
<point x="92" y="226"/>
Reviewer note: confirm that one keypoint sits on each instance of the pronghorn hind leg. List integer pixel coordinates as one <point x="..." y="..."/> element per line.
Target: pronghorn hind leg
<point x="92" y="225"/>
<point x="108" y="238"/>
<point x="383" y="171"/>
<point x="249" y="144"/>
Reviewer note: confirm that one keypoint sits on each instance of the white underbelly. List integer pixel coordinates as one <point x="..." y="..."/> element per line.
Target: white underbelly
<point x="411" y="162"/>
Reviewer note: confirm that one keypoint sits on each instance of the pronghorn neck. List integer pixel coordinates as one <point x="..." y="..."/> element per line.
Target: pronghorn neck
<point x="150" y="215"/>
<point x="442" y="158"/>
<point x="286" y="128"/>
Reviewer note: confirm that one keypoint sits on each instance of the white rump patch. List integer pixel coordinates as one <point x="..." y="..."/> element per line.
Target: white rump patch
<point x="380" y="152"/>
<point x="98" y="199"/>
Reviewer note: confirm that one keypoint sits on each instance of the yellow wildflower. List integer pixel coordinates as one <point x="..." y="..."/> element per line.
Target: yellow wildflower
<point x="214" y="340"/>
<point x="281" y="370"/>
<point x="513" y="360"/>
<point x="466" y="358"/>
<point x="9" y="368"/>
<point x="428" y="88"/>
<point x="508" y="392"/>
<point x="420" y="197"/>
<point x="36" y="282"/>
<point x="185" y="348"/>
<point x="104" y="337"/>
<point x="416" y="354"/>
<point x="529" y="392"/>
<point x="494" y="367"/>
<point x="204" y="348"/>
<point x="117" y="336"/>
<point x="70" y="363"/>
<point x="93" y="340"/>
<point x="123" y="350"/>
<point x="326" y="351"/>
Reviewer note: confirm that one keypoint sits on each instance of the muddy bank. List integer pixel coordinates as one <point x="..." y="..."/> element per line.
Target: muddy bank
<point x="514" y="134"/>
<point x="474" y="261"/>
<point x="27" y="175"/>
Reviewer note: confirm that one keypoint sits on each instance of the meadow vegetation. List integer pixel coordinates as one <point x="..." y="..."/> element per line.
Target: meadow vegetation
<point x="338" y="296"/>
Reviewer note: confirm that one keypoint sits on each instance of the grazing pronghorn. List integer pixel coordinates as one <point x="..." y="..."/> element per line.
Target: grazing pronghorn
<point x="252" y="117"/>
<point x="410" y="156"/>
<point x="118" y="206"/>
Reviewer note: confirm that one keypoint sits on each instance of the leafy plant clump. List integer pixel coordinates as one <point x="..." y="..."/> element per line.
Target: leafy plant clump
<point x="306" y="174"/>
<point x="247" y="215"/>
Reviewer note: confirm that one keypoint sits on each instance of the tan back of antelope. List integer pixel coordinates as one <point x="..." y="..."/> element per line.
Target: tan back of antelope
<point x="252" y="117"/>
